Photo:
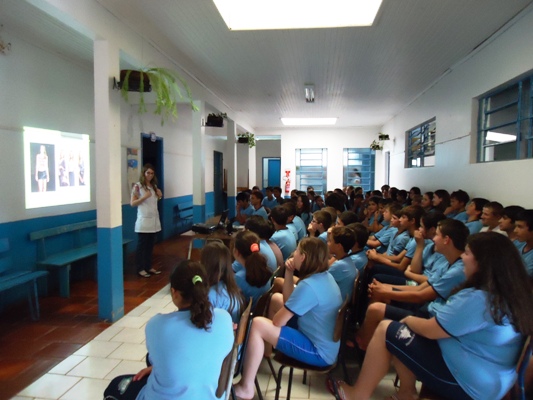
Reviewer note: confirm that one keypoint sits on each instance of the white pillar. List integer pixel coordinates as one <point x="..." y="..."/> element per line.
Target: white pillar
<point x="231" y="162"/>
<point x="198" y="163"/>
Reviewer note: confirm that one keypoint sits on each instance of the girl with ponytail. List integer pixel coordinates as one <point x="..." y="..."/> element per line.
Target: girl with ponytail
<point x="186" y="348"/>
<point x="254" y="278"/>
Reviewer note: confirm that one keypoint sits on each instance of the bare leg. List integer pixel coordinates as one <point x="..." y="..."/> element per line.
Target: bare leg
<point x="374" y="315"/>
<point x="277" y="286"/>
<point x="262" y="330"/>
<point x="407" y="380"/>
<point x="375" y="366"/>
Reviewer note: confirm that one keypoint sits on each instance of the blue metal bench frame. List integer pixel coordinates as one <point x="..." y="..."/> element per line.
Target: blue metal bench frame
<point x="63" y="260"/>
<point x="11" y="278"/>
<point x="183" y="215"/>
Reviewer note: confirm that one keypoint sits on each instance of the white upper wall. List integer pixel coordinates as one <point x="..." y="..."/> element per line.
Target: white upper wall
<point x="453" y="102"/>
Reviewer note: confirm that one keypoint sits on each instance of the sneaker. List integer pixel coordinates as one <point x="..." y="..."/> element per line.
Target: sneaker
<point x="154" y="272"/>
<point x="144" y="274"/>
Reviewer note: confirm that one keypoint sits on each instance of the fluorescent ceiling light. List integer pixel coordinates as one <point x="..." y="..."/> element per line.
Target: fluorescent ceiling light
<point x="500" y="137"/>
<point x="296" y="14"/>
<point x="308" y="121"/>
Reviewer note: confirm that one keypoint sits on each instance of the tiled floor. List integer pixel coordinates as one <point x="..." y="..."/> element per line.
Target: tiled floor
<point x="80" y="354"/>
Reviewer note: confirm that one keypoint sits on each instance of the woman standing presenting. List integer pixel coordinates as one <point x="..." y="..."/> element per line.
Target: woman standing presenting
<point x="144" y="196"/>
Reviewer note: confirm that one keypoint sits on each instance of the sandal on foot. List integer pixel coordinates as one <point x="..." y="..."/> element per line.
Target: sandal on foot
<point x="154" y="271"/>
<point x="144" y="274"/>
<point x="332" y="384"/>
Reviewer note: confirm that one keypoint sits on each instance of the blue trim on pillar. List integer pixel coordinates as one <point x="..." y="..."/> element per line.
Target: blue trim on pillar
<point x="110" y="274"/>
<point x="198" y="215"/>
<point x="232" y="206"/>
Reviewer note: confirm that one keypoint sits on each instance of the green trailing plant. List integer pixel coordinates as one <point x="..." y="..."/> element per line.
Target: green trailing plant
<point x="378" y="144"/>
<point x="166" y="85"/>
<point x="247" y="137"/>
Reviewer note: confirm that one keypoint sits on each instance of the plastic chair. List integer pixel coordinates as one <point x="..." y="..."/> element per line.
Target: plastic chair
<point x="291" y="363"/>
<point x="225" y="380"/>
<point x="519" y="391"/>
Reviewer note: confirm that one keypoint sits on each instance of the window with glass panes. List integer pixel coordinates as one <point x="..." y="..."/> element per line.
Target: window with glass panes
<point x="311" y="169"/>
<point x="359" y="168"/>
<point x="420" y="145"/>
<point x="505" y="123"/>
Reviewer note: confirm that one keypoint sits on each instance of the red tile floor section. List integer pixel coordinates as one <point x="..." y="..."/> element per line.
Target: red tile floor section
<point x="29" y="349"/>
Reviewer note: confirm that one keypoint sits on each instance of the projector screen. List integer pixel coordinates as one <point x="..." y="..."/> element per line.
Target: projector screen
<point x="56" y="168"/>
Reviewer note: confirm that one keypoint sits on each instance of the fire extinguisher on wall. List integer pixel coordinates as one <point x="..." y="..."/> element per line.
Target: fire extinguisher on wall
<point x="287" y="179"/>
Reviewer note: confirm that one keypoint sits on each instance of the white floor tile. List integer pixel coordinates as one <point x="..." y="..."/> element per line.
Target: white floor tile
<point x="94" y="367"/>
<point x="161" y="302"/>
<point x="67" y="364"/>
<point x="129" y="335"/>
<point x="109" y="333"/>
<point x="138" y="311"/>
<point x="87" y="389"/>
<point x="131" y="322"/>
<point x="129" y="351"/>
<point x="97" y="348"/>
<point x="126" y="368"/>
<point x="50" y="386"/>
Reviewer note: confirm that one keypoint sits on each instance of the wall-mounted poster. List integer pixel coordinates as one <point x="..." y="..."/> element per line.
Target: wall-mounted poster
<point x="132" y="167"/>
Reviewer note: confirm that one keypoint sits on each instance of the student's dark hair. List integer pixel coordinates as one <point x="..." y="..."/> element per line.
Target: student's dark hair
<point x="432" y="219"/>
<point x="402" y="193"/>
<point x="377" y="193"/>
<point x="385" y="187"/>
<point x="496" y="207"/>
<point x="277" y="188"/>
<point x="348" y="217"/>
<point x="258" y="194"/>
<point x="503" y="275"/>
<point x="255" y="263"/>
<point x="243" y="196"/>
<point x="216" y="259"/>
<point x="259" y="226"/>
<point x="512" y="212"/>
<point x="384" y="201"/>
<point x="269" y="189"/>
<point x="291" y="207"/>
<point x="336" y="201"/>
<point x="417" y="198"/>
<point x="316" y="257"/>
<point x="332" y="213"/>
<point x="361" y="234"/>
<point x="445" y="199"/>
<point x="344" y="236"/>
<point x="305" y="203"/>
<point x="142" y="179"/>
<point x="312" y="193"/>
<point x="393" y="191"/>
<point x="190" y="279"/>
<point x="527" y="217"/>
<point x="479" y="202"/>
<point x="394" y="208"/>
<point x="323" y="217"/>
<point x="414" y="212"/>
<point x="374" y="199"/>
<point x="280" y="215"/>
<point x="461" y="196"/>
<point x="415" y="190"/>
<point x="455" y="230"/>
<point x="358" y="196"/>
<point x="430" y="196"/>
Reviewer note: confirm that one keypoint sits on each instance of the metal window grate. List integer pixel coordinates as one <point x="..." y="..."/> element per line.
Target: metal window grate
<point x="420" y="145"/>
<point x="311" y="169"/>
<point x="359" y="168"/>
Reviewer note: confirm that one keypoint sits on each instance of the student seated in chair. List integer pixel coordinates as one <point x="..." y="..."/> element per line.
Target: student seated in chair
<point x="524" y="235"/>
<point x="474" y="209"/>
<point x="490" y="217"/>
<point x="315" y="300"/>
<point x="283" y="237"/>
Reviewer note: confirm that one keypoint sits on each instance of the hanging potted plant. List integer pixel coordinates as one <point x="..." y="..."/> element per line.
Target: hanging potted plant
<point x="246" y="138"/>
<point x="378" y="144"/>
<point x="164" y="82"/>
<point x="216" y="120"/>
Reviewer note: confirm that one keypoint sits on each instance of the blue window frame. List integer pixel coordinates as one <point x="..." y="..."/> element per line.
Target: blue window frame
<point x="505" y="122"/>
<point x="420" y="145"/>
<point x="311" y="169"/>
<point x="359" y="168"/>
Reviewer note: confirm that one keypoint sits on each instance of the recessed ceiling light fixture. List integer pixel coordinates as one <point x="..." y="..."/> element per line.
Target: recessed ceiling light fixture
<point x="309" y="93"/>
<point x="296" y="14"/>
<point x="308" y="121"/>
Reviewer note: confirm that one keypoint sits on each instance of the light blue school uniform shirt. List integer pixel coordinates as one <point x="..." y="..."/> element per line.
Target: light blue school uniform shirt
<point x="385" y="236"/>
<point x="301" y="227"/>
<point x="474" y="226"/>
<point x="410" y="248"/>
<point x="306" y="218"/>
<point x="186" y="360"/>
<point x="430" y="257"/>
<point x="266" y="250"/>
<point x="461" y="217"/>
<point x="220" y="298"/>
<point x="480" y="354"/>
<point x="261" y="212"/>
<point x="316" y="301"/>
<point x="324" y="237"/>
<point x="248" y="290"/>
<point x="398" y="243"/>
<point x="527" y="256"/>
<point x="286" y="242"/>
<point x="443" y="281"/>
<point x="291" y="227"/>
<point x="344" y="273"/>
<point x="360" y="260"/>
<point x="269" y="203"/>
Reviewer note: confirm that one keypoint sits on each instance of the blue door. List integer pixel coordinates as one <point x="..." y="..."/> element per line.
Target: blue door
<point x="274" y="172"/>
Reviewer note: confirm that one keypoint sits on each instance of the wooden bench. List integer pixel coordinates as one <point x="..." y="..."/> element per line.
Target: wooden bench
<point x="62" y="260"/>
<point x="183" y="215"/>
<point x="12" y="278"/>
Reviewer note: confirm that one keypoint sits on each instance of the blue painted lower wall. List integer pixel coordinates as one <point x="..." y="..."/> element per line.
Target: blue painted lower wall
<point x="24" y="252"/>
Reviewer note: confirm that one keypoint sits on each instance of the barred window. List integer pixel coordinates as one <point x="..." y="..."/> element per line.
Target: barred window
<point x="311" y="169"/>
<point x="359" y="168"/>
<point x="420" y="145"/>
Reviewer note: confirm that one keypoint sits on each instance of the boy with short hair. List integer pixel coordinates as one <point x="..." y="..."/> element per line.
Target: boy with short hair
<point x="340" y="242"/>
<point x="319" y="225"/>
<point x="524" y="235"/>
<point x="269" y="201"/>
<point x="474" y="209"/>
<point x="283" y="237"/>
<point x="458" y="201"/>
<point x="508" y="219"/>
<point x="256" y="199"/>
<point x="244" y="209"/>
<point x="381" y="240"/>
<point x="358" y="253"/>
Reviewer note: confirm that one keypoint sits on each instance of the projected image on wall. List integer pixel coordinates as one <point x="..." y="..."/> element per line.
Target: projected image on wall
<point x="56" y="168"/>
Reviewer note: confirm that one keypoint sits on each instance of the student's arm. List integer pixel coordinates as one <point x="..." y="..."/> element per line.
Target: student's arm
<point x="142" y="373"/>
<point x="376" y="226"/>
<point x="418" y="278"/>
<point x="386" y="259"/>
<point x="288" y="283"/>
<point x="417" y="264"/>
<point x="424" y="294"/>
<point x="428" y="328"/>
<point x="282" y="316"/>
